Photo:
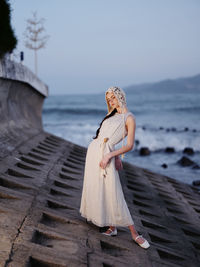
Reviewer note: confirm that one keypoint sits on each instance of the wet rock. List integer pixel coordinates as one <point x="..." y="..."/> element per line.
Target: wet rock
<point x="186" y="129"/>
<point x="137" y="142"/>
<point x="144" y="151"/>
<point x="196" y="183"/>
<point x="196" y="167"/>
<point x="173" y="129"/>
<point x="169" y="150"/>
<point x="188" y="150"/>
<point x="185" y="162"/>
<point x="164" y="165"/>
<point x="161" y="128"/>
<point x="194" y="130"/>
<point x="143" y="127"/>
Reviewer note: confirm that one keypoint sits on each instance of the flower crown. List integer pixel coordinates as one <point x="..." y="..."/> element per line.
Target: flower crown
<point x="119" y="94"/>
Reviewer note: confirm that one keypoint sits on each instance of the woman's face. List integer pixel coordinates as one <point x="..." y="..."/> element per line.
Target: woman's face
<point x="112" y="100"/>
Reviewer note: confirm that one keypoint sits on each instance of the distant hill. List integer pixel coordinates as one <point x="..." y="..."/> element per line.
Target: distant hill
<point x="189" y="84"/>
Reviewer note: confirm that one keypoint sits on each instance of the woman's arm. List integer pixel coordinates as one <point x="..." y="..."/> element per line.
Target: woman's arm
<point x="130" y="126"/>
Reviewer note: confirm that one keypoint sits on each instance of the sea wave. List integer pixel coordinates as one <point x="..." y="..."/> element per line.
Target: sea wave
<point x="195" y="109"/>
<point x="75" y="111"/>
<point x="155" y="140"/>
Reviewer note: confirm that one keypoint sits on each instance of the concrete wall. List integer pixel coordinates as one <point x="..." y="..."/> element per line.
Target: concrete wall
<point x="18" y="72"/>
<point x="20" y="105"/>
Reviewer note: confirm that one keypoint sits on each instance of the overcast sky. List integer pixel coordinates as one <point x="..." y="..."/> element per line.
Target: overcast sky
<point x="95" y="44"/>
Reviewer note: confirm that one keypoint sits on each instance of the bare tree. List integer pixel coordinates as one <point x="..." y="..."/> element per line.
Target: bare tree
<point x="33" y="34"/>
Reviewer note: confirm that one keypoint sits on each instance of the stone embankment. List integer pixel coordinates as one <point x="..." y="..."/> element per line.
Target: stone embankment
<point x="41" y="179"/>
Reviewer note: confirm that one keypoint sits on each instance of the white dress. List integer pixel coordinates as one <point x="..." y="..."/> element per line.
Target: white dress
<point x="102" y="200"/>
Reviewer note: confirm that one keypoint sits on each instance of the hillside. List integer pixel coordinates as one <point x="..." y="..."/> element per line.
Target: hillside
<point x="188" y="84"/>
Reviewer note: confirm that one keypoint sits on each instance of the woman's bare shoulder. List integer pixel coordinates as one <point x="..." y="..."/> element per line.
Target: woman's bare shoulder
<point x="131" y="116"/>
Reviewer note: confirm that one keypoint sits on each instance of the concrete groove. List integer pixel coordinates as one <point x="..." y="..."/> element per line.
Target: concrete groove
<point x="17" y="147"/>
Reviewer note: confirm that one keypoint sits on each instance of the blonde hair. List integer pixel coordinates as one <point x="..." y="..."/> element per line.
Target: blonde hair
<point x="119" y="94"/>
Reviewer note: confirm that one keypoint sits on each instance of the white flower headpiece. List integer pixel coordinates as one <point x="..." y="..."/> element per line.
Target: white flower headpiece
<point x="119" y="94"/>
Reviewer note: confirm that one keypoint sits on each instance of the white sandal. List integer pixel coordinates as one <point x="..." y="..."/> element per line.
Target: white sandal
<point x="145" y="244"/>
<point x="112" y="233"/>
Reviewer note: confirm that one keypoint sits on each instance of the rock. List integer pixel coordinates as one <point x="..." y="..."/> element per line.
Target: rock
<point x="144" y="151"/>
<point x="184" y="161"/>
<point x="143" y="127"/>
<point x="194" y="130"/>
<point x="173" y="129"/>
<point x="196" y="182"/>
<point x="137" y="142"/>
<point x="164" y="165"/>
<point x="196" y="166"/>
<point x="188" y="150"/>
<point x="186" y="129"/>
<point x="169" y="150"/>
<point x="161" y="128"/>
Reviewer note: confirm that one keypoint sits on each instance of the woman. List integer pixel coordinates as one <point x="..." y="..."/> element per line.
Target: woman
<point x="102" y="200"/>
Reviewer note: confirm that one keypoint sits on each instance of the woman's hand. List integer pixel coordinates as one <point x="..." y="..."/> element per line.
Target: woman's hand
<point x="118" y="163"/>
<point x="105" y="160"/>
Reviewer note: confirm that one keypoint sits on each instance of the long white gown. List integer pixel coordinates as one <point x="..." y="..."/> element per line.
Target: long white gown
<point x="102" y="200"/>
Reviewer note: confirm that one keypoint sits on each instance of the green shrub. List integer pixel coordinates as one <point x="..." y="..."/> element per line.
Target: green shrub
<point x="8" y="41"/>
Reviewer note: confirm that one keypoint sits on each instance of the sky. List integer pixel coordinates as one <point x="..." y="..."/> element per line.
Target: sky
<point x="95" y="44"/>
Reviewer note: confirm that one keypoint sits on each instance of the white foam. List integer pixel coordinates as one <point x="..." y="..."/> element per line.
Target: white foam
<point x="157" y="140"/>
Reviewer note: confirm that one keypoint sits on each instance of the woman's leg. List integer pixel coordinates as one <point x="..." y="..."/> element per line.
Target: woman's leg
<point x="134" y="234"/>
<point x="136" y="237"/>
<point x="110" y="227"/>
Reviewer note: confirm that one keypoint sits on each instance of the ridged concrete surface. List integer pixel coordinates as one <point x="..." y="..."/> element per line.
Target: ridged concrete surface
<point x="40" y="224"/>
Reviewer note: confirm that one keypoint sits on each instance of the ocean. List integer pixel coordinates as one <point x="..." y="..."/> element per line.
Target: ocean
<point x="162" y="120"/>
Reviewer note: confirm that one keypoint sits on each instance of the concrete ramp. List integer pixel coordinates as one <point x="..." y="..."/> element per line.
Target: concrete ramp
<point x="40" y="224"/>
